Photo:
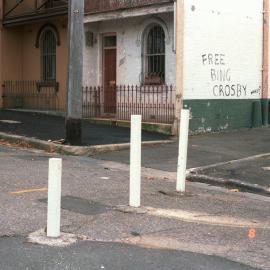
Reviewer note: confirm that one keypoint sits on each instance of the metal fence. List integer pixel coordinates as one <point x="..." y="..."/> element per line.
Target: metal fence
<point x="30" y="95"/>
<point x="154" y="103"/>
<point x="92" y="6"/>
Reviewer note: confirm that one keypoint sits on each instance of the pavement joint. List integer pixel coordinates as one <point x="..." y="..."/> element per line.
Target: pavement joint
<point x="131" y="210"/>
<point x="194" y="217"/>
<point x="176" y="194"/>
<point x="198" y="169"/>
<point x="73" y="150"/>
<point x="206" y="218"/>
<point x="39" y="237"/>
<point x="229" y="183"/>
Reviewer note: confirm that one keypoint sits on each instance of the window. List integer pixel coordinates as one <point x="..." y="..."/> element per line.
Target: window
<point x="154" y="55"/>
<point x="53" y="3"/>
<point x="109" y="41"/>
<point x="48" y="56"/>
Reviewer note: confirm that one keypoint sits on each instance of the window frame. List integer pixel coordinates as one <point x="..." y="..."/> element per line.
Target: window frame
<point x="156" y="80"/>
<point x="50" y="56"/>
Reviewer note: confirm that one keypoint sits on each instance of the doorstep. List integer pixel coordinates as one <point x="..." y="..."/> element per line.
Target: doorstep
<point x="150" y="127"/>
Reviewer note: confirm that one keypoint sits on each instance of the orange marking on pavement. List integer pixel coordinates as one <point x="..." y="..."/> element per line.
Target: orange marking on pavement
<point x="28" y="191"/>
<point x="252" y="233"/>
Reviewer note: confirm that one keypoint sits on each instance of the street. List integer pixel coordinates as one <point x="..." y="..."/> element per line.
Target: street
<point x="98" y="255"/>
<point x="208" y="229"/>
<point x="134" y="135"/>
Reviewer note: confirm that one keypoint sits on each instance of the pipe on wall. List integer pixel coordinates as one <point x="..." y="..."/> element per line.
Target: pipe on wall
<point x="265" y="72"/>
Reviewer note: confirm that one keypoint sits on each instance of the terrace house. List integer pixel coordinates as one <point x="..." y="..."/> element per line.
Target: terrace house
<point x="130" y="60"/>
<point x="33" y="59"/>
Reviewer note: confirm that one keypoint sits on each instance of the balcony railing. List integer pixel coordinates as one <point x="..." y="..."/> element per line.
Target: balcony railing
<point x="93" y="6"/>
<point x="16" y="12"/>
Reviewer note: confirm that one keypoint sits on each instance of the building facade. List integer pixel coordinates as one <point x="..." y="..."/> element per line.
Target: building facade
<point x="223" y="63"/>
<point x="130" y="59"/>
<point x="223" y="58"/>
<point x="33" y="55"/>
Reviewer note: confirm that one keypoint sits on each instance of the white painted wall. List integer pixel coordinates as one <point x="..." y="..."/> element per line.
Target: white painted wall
<point x="129" y="49"/>
<point x="232" y="30"/>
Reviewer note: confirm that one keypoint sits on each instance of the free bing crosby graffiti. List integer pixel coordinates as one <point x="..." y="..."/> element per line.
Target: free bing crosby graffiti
<point x="220" y="75"/>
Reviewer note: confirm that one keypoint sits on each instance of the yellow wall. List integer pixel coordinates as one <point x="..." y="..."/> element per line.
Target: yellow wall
<point x="11" y="56"/>
<point x="26" y="6"/>
<point x="32" y="61"/>
<point x="21" y="59"/>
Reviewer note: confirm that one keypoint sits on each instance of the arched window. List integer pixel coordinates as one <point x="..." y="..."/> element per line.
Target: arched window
<point x="154" y="55"/>
<point x="48" y="55"/>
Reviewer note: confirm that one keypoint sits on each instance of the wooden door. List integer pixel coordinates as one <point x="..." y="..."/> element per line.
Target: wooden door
<point x="109" y="80"/>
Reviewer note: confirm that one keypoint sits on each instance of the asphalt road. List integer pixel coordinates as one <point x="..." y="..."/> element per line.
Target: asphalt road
<point x="91" y="189"/>
<point x="203" y="149"/>
<point x="16" y="254"/>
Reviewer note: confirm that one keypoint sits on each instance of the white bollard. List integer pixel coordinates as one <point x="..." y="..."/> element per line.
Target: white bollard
<point x="182" y="155"/>
<point x="135" y="161"/>
<point x="54" y="197"/>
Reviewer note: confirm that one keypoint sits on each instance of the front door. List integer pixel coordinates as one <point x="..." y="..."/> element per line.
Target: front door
<point x="109" y="73"/>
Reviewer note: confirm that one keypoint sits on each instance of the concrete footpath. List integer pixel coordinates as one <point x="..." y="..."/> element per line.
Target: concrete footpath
<point x="236" y="159"/>
<point x="208" y="228"/>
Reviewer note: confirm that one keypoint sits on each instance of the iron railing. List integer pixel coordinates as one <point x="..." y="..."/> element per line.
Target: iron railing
<point x="92" y="6"/>
<point x="154" y="103"/>
<point x="19" y="8"/>
<point x="20" y="12"/>
<point x="32" y="95"/>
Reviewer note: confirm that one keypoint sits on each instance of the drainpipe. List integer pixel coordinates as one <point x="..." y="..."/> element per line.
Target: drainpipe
<point x="179" y="65"/>
<point x="265" y="82"/>
<point x="174" y="26"/>
<point x="1" y="54"/>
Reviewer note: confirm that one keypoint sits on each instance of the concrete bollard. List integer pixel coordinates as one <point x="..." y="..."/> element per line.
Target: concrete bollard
<point x="182" y="156"/>
<point x="54" y="197"/>
<point x="135" y="161"/>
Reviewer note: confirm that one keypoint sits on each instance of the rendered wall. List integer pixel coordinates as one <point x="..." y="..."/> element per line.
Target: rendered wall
<point x="222" y="61"/>
<point x="129" y="49"/>
<point x="31" y="58"/>
<point x="21" y="60"/>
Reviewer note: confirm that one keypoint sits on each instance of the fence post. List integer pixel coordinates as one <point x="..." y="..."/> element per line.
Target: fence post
<point x="54" y="197"/>
<point x="182" y="155"/>
<point x="135" y="161"/>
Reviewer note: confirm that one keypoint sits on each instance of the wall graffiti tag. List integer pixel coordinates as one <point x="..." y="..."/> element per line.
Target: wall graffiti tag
<point x="221" y="77"/>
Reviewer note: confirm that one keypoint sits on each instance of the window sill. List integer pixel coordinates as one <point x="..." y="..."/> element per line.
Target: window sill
<point x="48" y="84"/>
<point x="154" y="88"/>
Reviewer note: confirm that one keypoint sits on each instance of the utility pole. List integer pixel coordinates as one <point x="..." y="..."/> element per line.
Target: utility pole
<point x="179" y="24"/>
<point x="75" y="70"/>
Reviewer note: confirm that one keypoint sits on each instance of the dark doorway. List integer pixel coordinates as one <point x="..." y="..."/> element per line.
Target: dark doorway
<point x="109" y="73"/>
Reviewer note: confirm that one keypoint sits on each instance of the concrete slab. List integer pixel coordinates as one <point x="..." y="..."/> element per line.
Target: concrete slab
<point x="81" y="206"/>
<point x="97" y="255"/>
